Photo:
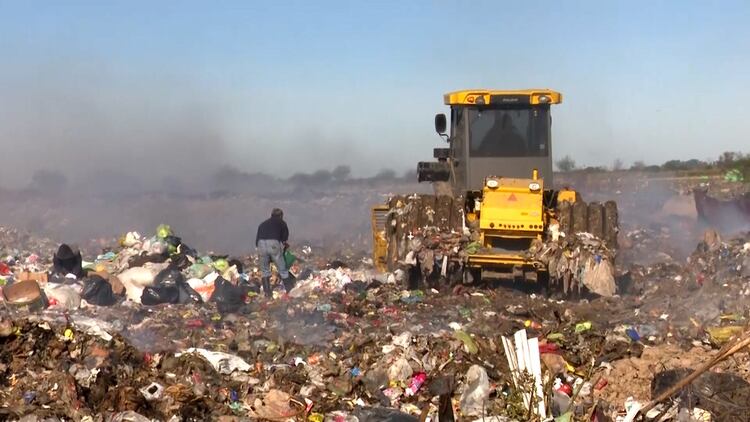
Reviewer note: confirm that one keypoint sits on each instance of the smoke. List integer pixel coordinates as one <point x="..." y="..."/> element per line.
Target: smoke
<point x="326" y="208"/>
<point x="99" y="127"/>
<point x="657" y="206"/>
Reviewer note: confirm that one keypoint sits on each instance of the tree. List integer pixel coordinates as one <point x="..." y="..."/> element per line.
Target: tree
<point x="729" y="158"/>
<point x="618" y="165"/>
<point x="566" y="164"/>
<point x="638" y="165"/>
<point x="341" y="173"/>
<point x="385" y="175"/>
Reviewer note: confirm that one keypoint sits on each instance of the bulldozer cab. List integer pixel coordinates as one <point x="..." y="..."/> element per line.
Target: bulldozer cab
<point x="504" y="133"/>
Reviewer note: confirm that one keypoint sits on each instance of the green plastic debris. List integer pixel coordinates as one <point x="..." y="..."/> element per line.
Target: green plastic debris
<point x="473" y="247"/>
<point x="555" y="337"/>
<point x="721" y="335"/>
<point x="199" y="270"/>
<point x="565" y="417"/>
<point x="221" y="265"/>
<point x="163" y="231"/>
<point x="734" y="175"/>
<point x="236" y="407"/>
<point x="289" y="258"/>
<point x="464" y="311"/>
<point x="582" y="327"/>
<point x="469" y="344"/>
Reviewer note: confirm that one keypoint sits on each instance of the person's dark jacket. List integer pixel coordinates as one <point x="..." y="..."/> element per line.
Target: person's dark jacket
<point x="274" y="228"/>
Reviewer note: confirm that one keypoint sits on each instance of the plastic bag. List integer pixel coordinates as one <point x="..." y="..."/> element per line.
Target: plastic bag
<point x="221" y="265"/>
<point x="289" y="258"/>
<point x="474" y="398"/>
<point x="97" y="291"/>
<point x="228" y="297"/>
<point x="62" y="295"/>
<point x="67" y="261"/>
<point x="163" y="231"/>
<point x="599" y="277"/>
<point x="134" y="280"/>
<point x="169" y="277"/>
<point x="169" y="287"/>
<point x="177" y="294"/>
<point x="205" y="288"/>
<point x="157" y="295"/>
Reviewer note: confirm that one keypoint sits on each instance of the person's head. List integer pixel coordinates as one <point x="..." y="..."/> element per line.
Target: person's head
<point x="277" y="212"/>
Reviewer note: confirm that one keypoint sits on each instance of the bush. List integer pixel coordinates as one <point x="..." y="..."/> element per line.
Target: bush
<point x="566" y="164"/>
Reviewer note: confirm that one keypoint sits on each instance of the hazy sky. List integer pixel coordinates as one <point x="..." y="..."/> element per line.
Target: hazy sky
<point x="160" y="88"/>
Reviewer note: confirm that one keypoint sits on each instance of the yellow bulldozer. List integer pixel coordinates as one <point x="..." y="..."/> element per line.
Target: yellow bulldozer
<point x="495" y="181"/>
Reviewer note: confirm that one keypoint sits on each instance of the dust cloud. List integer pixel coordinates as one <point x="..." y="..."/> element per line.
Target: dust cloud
<point x="91" y="151"/>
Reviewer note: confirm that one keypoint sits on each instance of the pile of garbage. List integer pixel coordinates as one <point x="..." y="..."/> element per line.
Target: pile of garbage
<point x="19" y="248"/>
<point x="715" y="259"/>
<point x="577" y="261"/>
<point x="151" y="329"/>
<point x="154" y="270"/>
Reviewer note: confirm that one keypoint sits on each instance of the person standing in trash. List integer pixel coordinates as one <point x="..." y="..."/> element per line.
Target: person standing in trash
<point x="271" y="242"/>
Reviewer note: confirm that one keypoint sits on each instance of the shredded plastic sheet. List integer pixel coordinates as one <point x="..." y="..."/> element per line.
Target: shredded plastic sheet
<point x="223" y="363"/>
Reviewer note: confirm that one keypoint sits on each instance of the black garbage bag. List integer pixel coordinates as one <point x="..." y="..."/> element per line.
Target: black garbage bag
<point x="187" y="294"/>
<point x="157" y="295"/>
<point x="237" y="264"/>
<point x="305" y="274"/>
<point x="173" y="241"/>
<point x="169" y="276"/>
<point x="181" y="261"/>
<point x="143" y="258"/>
<point x="180" y="293"/>
<point x="67" y="261"/>
<point x="169" y="287"/>
<point x="228" y="297"/>
<point x="98" y="291"/>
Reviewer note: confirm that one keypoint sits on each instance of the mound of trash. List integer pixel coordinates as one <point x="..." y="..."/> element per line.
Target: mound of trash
<point x="151" y="329"/>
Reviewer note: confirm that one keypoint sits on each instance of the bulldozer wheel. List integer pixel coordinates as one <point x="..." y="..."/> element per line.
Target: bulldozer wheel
<point x="565" y="216"/>
<point x="596" y="219"/>
<point x="611" y="223"/>
<point x="580" y="217"/>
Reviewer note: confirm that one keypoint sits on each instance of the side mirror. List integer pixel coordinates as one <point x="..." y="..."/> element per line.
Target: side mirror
<point x="440" y="123"/>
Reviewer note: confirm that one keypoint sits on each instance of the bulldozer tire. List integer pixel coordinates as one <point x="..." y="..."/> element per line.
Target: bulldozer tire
<point x="565" y="216"/>
<point x="580" y="217"/>
<point x="596" y="219"/>
<point x="611" y="224"/>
